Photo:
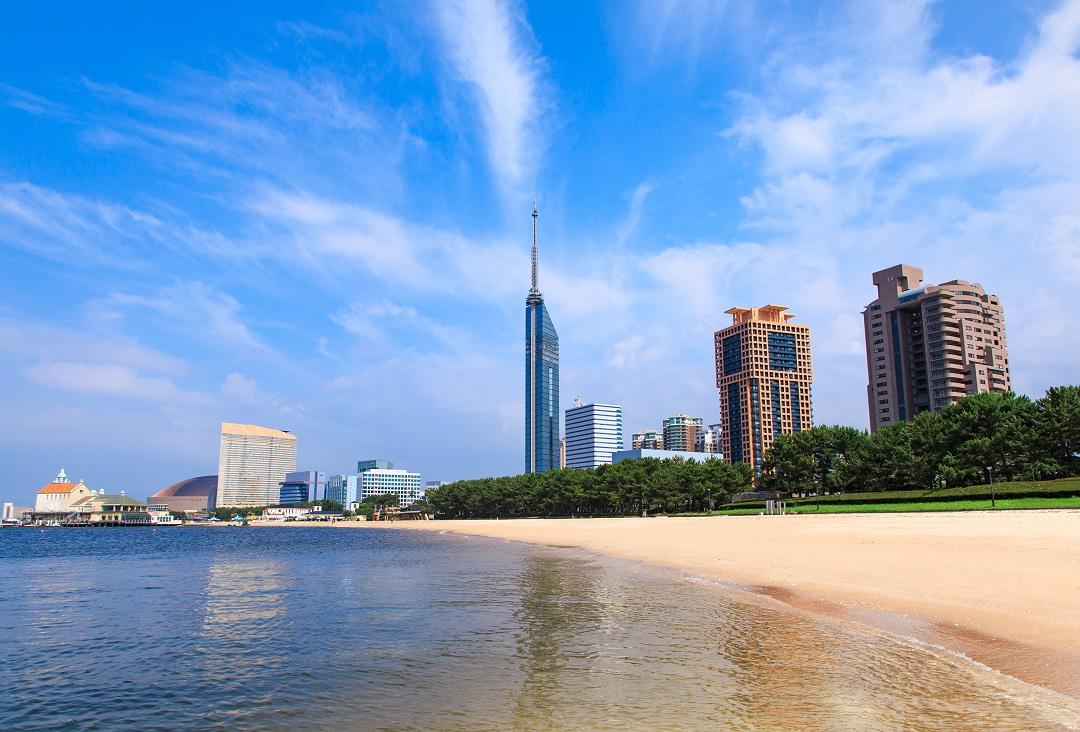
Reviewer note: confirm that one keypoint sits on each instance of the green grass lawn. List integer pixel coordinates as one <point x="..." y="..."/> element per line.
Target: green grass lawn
<point x="1003" y="504"/>
<point x="1060" y="487"/>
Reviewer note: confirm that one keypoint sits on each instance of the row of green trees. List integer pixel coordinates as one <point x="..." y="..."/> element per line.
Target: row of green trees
<point x="629" y="487"/>
<point x="1009" y="436"/>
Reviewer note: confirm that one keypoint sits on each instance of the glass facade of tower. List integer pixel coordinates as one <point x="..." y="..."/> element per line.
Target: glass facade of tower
<point x="541" y="388"/>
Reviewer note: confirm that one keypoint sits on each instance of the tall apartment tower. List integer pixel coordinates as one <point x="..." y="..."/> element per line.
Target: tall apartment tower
<point x="541" y="378"/>
<point x="681" y="431"/>
<point x="593" y="433"/>
<point x="764" y="374"/>
<point x="252" y="464"/>
<point x="928" y="346"/>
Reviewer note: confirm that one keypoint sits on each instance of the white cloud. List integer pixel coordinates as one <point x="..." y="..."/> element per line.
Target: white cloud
<point x="108" y="379"/>
<point x="32" y="103"/>
<point x="327" y="235"/>
<point x="686" y="29"/>
<point x="192" y="307"/>
<point x="489" y="45"/>
<point x="34" y="341"/>
<point x="634" y="212"/>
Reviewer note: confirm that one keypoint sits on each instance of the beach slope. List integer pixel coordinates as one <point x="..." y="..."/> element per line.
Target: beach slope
<point x="995" y="585"/>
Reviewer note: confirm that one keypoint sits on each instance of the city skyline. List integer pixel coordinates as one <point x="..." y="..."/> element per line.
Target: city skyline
<point x="320" y="213"/>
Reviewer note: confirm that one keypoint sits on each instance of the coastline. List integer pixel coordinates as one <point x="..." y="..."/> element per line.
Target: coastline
<point x="1002" y="588"/>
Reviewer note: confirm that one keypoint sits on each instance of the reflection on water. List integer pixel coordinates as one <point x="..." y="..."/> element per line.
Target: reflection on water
<point x="341" y="629"/>
<point x="244" y="631"/>
<point x="611" y="645"/>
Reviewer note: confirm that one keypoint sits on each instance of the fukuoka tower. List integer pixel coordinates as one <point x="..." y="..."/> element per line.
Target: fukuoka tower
<point x="541" y="377"/>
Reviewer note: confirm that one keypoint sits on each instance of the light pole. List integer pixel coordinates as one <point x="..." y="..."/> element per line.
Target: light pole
<point x="990" y="469"/>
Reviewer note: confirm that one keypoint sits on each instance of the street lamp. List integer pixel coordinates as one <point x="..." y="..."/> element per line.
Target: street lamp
<point x="990" y="469"/>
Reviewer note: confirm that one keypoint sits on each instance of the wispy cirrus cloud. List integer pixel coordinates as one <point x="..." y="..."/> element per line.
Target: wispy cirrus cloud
<point x="31" y="103"/>
<point x="489" y="46"/>
<point x="319" y="231"/>
<point x="190" y="307"/>
<point x="84" y="230"/>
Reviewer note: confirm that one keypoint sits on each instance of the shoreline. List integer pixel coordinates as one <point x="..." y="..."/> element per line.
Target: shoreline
<point x="1000" y="588"/>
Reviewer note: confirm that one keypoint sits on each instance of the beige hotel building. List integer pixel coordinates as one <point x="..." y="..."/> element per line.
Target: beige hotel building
<point x="252" y="464"/>
<point x="764" y="374"/>
<point x="929" y="345"/>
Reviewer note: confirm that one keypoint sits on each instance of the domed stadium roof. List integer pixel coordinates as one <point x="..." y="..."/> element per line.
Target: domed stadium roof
<point x="201" y="487"/>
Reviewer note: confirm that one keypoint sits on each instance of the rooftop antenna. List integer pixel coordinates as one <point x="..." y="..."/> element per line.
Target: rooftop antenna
<point x="535" y="289"/>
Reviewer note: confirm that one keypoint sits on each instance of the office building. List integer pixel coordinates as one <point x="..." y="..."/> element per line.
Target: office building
<point x="593" y="433"/>
<point x="647" y="440"/>
<point x="708" y="440"/>
<point x="187" y="496"/>
<point x="929" y="345"/>
<point x="541" y="378"/>
<point x="764" y="374"/>
<point x="681" y="431"/>
<point x="252" y="464"/>
<point x="302" y="486"/>
<point x="638" y="454"/>
<point x="381" y="481"/>
<point x="343" y="489"/>
<point x="363" y="465"/>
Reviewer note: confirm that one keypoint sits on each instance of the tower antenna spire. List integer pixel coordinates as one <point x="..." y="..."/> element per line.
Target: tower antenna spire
<point x="535" y="289"/>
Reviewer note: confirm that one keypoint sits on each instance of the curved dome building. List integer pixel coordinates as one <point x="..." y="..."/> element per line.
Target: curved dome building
<point x="188" y="496"/>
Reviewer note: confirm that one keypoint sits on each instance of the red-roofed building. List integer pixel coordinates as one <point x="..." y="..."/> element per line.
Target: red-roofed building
<point x="59" y="495"/>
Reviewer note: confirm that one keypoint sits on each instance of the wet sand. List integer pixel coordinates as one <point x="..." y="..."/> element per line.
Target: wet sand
<point x="1001" y="587"/>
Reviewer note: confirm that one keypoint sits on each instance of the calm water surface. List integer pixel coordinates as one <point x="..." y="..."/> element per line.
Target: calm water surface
<point x="293" y="628"/>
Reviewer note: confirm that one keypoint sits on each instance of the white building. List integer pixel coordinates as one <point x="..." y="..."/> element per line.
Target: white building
<point x="387" y="481"/>
<point x="593" y="433"/>
<point x="638" y="454"/>
<point x="708" y="440"/>
<point x="280" y="513"/>
<point x="58" y="496"/>
<point x="252" y="464"/>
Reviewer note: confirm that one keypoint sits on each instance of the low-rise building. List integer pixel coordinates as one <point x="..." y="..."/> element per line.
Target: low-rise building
<point x="104" y="509"/>
<point x="190" y="495"/>
<point x="698" y="457"/>
<point x="58" y="496"/>
<point x="302" y="486"/>
<point x="284" y="513"/>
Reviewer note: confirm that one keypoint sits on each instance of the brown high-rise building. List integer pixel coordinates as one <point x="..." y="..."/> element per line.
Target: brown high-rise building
<point x="764" y="374"/>
<point x="928" y="346"/>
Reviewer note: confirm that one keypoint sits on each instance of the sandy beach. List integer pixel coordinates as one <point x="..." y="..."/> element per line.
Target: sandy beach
<point x="1002" y="587"/>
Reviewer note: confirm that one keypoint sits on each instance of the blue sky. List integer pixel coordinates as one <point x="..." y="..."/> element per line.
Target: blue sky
<point x="316" y="216"/>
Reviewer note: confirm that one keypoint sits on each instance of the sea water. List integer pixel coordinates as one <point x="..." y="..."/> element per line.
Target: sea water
<point x="329" y="628"/>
